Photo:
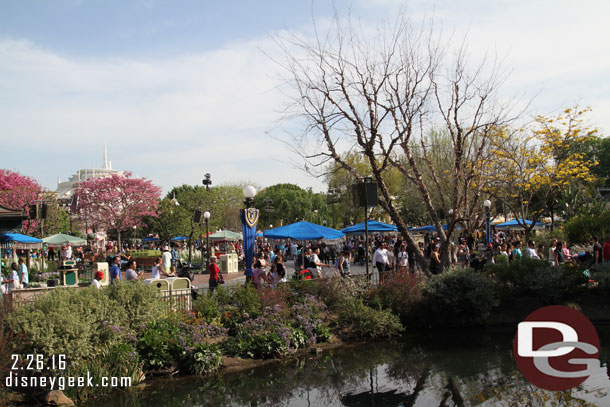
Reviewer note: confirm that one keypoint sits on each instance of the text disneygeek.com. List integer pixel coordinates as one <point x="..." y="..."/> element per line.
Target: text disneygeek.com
<point x="61" y="383"/>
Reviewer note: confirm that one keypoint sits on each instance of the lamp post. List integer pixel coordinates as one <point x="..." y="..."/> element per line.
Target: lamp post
<point x="206" y="217"/>
<point x="249" y="218"/>
<point x="487" y="205"/>
<point x="249" y="193"/>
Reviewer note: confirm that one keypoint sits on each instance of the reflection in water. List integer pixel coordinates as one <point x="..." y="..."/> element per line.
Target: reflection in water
<point x="433" y="369"/>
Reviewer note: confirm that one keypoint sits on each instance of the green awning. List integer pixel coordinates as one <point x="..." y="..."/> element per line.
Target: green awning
<point x="60" y="239"/>
<point x="225" y="235"/>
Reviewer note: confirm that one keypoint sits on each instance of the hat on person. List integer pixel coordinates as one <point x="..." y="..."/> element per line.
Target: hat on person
<point x="165" y="248"/>
<point x="99" y="275"/>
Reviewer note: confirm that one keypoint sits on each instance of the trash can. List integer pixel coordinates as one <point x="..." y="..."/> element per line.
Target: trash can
<point x="159" y="283"/>
<point x="179" y="283"/>
<point x="229" y="263"/>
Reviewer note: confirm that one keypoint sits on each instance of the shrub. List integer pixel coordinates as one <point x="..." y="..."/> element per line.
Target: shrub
<point x="263" y="337"/>
<point x="117" y="360"/>
<point x="158" y="344"/>
<point x="400" y="293"/>
<point x="362" y="321"/>
<point x="461" y="297"/>
<point x="601" y="275"/>
<point x="538" y="278"/>
<point x="307" y="315"/>
<point x="581" y="228"/>
<point x="247" y="300"/>
<point x="76" y="322"/>
<point x="203" y="358"/>
<point x="207" y="307"/>
<point x="141" y="302"/>
<point x="67" y="321"/>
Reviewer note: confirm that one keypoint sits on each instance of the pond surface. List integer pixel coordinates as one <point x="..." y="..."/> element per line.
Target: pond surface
<point x="454" y="368"/>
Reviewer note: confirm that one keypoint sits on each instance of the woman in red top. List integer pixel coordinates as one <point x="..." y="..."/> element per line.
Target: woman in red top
<point x="214" y="273"/>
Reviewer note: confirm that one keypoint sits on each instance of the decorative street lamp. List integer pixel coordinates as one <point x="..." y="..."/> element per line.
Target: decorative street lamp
<point x="249" y="193"/>
<point x="249" y="219"/>
<point x="487" y="205"/>
<point x="206" y="216"/>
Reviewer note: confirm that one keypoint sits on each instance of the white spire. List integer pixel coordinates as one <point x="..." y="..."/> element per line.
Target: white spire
<point x="105" y="162"/>
<point x="58" y="180"/>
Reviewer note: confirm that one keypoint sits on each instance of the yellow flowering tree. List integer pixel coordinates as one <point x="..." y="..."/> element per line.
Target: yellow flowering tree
<point x="534" y="166"/>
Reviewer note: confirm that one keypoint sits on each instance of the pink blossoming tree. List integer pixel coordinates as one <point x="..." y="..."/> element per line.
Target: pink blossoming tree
<point x="116" y="202"/>
<point x="17" y="192"/>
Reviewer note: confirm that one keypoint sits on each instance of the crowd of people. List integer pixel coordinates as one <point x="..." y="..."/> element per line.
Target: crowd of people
<point x="387" y="253"/>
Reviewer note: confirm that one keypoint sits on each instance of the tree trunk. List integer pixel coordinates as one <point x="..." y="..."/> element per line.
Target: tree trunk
<point x="118" y="233"/>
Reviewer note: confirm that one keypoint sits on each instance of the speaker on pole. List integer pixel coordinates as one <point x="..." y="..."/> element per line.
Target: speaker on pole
<point x="197" y="216"/>
<point x="364" y="194"/>
<point x="33" y="211"/>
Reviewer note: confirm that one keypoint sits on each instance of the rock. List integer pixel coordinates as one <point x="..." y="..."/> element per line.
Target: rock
<point x="57" y="398"/>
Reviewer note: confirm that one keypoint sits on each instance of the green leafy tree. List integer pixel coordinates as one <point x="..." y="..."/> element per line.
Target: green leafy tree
<point x="282" y="204"/>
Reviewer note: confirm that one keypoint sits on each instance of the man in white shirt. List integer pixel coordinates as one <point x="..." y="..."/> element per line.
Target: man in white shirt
<point x="166" y="259"/>
<point x="530" y="252"/>
<point x="381" y="260"/>
<point x="315" y="259"/>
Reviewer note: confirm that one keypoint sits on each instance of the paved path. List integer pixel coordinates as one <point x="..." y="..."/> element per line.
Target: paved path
<point x="235" y="279"/>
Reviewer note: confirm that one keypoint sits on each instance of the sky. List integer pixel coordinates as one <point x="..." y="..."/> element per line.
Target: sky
<point x="179" y="88"/>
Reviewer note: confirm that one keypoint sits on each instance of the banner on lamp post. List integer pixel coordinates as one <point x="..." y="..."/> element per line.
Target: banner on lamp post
<point x="249" y="219"/>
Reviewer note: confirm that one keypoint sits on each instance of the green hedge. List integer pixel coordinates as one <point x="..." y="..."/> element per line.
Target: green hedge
<point x="76" y="322"/>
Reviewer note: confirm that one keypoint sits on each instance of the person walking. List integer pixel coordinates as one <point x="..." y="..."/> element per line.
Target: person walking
<point x="166" y="258"/>
<point x="215" y="276"/>
<point x="115" y="270"/>
<point x="24" y="275"/>
<point x="343" y="264"/>
<point x="381" y="261"/>
<point x="435" y="260"/>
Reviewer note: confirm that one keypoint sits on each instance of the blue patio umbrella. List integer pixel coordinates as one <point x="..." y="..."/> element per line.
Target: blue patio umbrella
<point x="517" y="224"/>
<point x="373" y="226"/>
<point x="303" y="231"/>
<point x="178" y="238"/>
<point x="150" y="239"/>
<point x="427" y="228"/>
<point x="18" y="238"/>
<point x="19" y="241"/>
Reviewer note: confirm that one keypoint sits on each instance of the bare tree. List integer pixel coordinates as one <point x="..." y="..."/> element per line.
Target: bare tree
<point x="377" y="92"/>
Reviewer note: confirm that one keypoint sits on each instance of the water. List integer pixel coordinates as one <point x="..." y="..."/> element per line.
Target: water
<point x="454" y="368"/>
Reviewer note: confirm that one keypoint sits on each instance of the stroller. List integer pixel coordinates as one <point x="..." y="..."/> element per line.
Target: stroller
<point x="185" y="270"/>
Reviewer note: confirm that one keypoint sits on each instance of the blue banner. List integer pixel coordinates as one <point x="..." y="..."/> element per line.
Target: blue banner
<point x="249" y="219"/>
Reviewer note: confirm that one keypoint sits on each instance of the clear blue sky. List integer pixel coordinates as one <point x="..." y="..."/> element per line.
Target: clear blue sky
<point x="179" y="88"/>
